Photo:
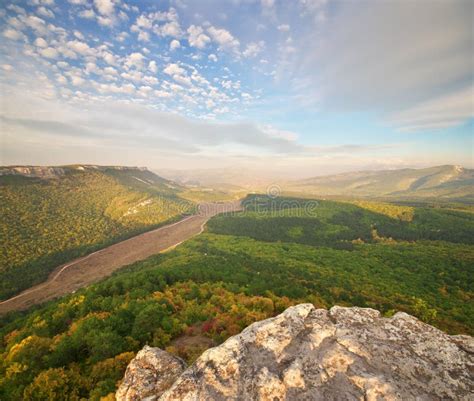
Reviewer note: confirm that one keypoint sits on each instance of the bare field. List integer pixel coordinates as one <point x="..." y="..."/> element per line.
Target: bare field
<point x="95" y="266"/>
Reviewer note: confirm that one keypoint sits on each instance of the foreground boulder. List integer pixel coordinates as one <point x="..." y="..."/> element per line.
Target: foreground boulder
<point x="149" y="374"/>
<point x="340" y="354"/>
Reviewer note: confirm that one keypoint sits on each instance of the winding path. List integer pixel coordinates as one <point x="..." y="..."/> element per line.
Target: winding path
<point x="97" y="265"/>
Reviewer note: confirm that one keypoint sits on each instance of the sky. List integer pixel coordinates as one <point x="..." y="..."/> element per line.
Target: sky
<point x="298" y="88"/>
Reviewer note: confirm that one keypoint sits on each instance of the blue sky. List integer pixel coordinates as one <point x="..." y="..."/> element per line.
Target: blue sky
<point x="298" y="87"/>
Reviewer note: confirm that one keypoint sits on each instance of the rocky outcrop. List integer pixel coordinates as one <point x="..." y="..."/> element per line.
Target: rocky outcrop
<point x="149" y="374"/>
<point x="44" y="172"/>
<point x="48" y="172"/>
<point x="340" y="354"/>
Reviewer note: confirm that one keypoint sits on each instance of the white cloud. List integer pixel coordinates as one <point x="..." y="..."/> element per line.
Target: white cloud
<point x="152" y="66"/>
<point x="40" y="42"/>
<point x="92" y="68"/>
<point x="13" y="34"/>
<point x="87" y="14"/>
<point x="49" y="52"/>
<point x="36" y="23"/>
<point x="224" y="38"/>
<point x="162" y="94"/>
<point x="174" y="69"/>
<point x="105" y="21"/>
<point x="135" y="60"/>
<point x="183" y="80"/>
<point x="15" y="23"/>
<point x="109" y="58"/>
<point x="212" y="57"/>
<point x="122" y="36"/>
<point x="79" y="35"/>
<point x="197" y="38"/>
<point x="105" y="7"/>
<point x="169" y="29"/>
<point x="45" y="12"/>
<point x="79" y="47"/>
<point x="144" y="22"/>
<point x="144" y="36"/>
<point x="78" y="2"/>
<point x="283" y="27"/>
<point x="253" y="49"/>
<point x="175" y="44"/>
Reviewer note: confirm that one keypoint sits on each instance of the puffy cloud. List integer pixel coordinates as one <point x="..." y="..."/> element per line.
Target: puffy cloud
<point x="152" y="66"/>
<point x="37" y="24"/>
<point x="175" y="44"/>
<point x="105" y="21"/>
<point x="40" y="42"/>
<point x="144" y="22"/>
<point x="144" y="36"/>
<point x="174" y="69"/>
<point x="78" y="35"/>
<point x="45" y="12"/>
<point x="13" y="34"/>
<point x="197" y="38"/>
<point x="49" y="52"/>
<point x="92" y="68"/>
<point x="105" y="7"/>
<point x="79" y="47"/>
<point x="169" y="29"/>
<point x="283" y="27"/>
<point x="135" y="60"/>
<point x="253" y="49"/>
<point x="223" y="38"/>
<point x="87" y="14"/>
<point x="109" y="58"/>
<point x="212" y="57"/>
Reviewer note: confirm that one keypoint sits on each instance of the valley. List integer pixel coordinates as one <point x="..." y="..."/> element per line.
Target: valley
<point x="245" y="266"/>
<point x="99" y="264"/>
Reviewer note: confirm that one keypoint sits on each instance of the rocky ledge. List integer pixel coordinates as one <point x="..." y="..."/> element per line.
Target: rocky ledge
<point x="315" y="354"/>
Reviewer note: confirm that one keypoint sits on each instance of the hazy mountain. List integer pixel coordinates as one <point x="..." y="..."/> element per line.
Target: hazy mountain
<point x="453" y="182"/>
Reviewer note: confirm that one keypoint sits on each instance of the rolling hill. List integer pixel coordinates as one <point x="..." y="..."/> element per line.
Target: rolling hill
<point x="442" y="182"/>
<point x="51" y="215"/>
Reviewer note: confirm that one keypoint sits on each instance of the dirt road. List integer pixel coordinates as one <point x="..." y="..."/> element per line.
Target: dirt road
<point x="95" y="266"/>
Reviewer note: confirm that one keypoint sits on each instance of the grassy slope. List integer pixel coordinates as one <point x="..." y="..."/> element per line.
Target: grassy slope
<point x="48" y="222"/>
<point x="219" y="282"/>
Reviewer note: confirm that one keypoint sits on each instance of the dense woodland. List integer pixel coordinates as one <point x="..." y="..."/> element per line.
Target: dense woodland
<point x="246" y="267"/>
<point x="48" y="222"/>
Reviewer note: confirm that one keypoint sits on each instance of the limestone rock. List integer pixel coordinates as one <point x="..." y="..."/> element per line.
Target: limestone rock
<point x="149" y="374"/>
<point x="341" y="354"/>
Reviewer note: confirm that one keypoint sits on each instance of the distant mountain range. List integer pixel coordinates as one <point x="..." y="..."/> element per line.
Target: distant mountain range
<point x="447" y="182"/>
<point x="442" y="182"/>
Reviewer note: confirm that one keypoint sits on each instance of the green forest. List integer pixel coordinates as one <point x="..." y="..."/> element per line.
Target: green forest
<point x="246" y="266"/>
<point x="47" y="222"/>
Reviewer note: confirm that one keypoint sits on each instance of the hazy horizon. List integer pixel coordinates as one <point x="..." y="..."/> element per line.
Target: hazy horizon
<point x="300" y="89"/>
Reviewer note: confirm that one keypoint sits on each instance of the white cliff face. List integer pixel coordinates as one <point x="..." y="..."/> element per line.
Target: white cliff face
<point x="340" y="354"/>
